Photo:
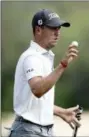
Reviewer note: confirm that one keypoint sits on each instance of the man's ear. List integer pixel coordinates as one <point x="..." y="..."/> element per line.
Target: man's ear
<point x="38" y="30"/>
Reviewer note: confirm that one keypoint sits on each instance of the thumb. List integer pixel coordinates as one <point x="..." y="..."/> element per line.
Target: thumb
<point x="75" y="109"/>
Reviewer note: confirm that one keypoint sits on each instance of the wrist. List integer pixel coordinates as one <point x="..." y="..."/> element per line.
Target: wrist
<point x="64" y="63"/>
<point x="64" y="111"/>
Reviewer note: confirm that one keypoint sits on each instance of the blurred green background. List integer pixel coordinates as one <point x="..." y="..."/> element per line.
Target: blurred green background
<point x="16" y="31"/>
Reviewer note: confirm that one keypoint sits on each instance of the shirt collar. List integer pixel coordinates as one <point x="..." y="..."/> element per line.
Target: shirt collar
<point x="39" y="49"/>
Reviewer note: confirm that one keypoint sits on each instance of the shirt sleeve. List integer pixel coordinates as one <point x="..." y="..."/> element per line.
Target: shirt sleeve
<point x="33" y="67"/>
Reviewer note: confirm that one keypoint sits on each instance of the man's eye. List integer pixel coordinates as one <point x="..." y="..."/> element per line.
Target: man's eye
<point x="55" y="28"/>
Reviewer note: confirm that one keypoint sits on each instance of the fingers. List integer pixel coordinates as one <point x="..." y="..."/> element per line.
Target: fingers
<point x="77" y="111"/>
<point x="73" y="50"/>
<point x="71" y="125"/>
<point x="76" y="122"/>
<point x="72" y="46"/>
<point x="74" y="114"/>
<point x="78" y="117"/>
<point x="72" y="53"/>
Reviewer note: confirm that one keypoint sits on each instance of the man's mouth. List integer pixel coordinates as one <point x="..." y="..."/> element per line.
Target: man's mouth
<point x="56" y="39"/>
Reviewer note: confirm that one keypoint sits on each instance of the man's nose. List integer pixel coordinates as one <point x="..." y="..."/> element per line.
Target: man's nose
<point x="57" y="32"/>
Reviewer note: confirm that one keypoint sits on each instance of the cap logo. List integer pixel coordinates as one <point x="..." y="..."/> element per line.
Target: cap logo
<point x="40" y="22"/>
<point x="53" y="15"/>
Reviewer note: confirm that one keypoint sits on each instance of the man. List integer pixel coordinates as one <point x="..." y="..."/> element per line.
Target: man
<point x="35" y="78"/>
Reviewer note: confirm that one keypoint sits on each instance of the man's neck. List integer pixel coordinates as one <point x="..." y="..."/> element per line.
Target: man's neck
<point x="40" y="43"/>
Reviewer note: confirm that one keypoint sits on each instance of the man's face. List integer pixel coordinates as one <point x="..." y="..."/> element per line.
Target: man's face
<point x="49" y="36"/>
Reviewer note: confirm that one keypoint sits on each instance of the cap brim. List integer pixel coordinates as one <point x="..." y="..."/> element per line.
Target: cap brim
<point x="64" y="23"/>
<point x="57" y="23"/>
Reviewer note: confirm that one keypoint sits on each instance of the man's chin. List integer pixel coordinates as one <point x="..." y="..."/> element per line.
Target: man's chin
<point x="53" y="44"/>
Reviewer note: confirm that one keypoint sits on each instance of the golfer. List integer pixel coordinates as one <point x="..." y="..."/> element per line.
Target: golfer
<point x="35" y="78"/>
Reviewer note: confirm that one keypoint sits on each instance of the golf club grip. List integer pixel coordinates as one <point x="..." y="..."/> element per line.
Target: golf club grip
<point x="77" y="116"/>
<point x="75" y="131"/>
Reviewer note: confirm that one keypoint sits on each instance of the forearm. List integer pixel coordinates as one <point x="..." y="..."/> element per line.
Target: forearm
<point x="44" y="84"/>
<point x="58" y="110"/>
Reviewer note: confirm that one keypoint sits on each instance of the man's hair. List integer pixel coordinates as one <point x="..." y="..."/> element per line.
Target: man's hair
<point x="34" y="29"/>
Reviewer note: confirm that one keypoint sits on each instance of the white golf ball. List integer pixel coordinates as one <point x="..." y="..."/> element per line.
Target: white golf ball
<point x="75" y="43"/>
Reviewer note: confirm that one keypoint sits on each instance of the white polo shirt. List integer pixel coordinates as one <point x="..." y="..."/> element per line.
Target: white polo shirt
<point x="35" y="61"/>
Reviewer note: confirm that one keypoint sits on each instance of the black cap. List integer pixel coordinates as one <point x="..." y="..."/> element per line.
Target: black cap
<point x="46" y="17"/>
